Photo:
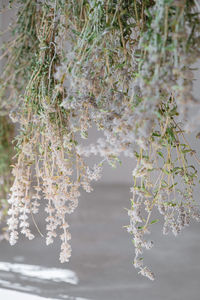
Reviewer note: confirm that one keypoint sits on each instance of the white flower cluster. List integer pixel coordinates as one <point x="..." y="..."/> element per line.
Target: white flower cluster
<point x="138" y="231"/>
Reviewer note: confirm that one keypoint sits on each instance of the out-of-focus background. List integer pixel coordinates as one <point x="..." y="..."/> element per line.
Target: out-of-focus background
<point x="101" y="263"/>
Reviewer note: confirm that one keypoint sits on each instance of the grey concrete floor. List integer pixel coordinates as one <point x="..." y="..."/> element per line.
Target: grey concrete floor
<point x="102" y="257"/>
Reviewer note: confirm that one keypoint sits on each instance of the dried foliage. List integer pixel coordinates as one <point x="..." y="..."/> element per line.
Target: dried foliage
<point x="6" y="153"/>
<point x="124" y="67"/>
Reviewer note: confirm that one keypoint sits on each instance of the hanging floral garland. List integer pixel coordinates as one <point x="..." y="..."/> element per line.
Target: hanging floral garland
<point x="124" y="67"/>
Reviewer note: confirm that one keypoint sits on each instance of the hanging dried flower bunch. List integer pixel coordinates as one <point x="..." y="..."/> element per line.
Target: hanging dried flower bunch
<point x="6" y="153"/>
<point x="124" y="67"/>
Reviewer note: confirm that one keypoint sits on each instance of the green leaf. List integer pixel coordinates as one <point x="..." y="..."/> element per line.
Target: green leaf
<point x="161" y="154"/>
<point x="154" y="221"/>
<point x="140" y="227"/>
<point x="156" y="133"/>
<point x="165" y="171"/>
